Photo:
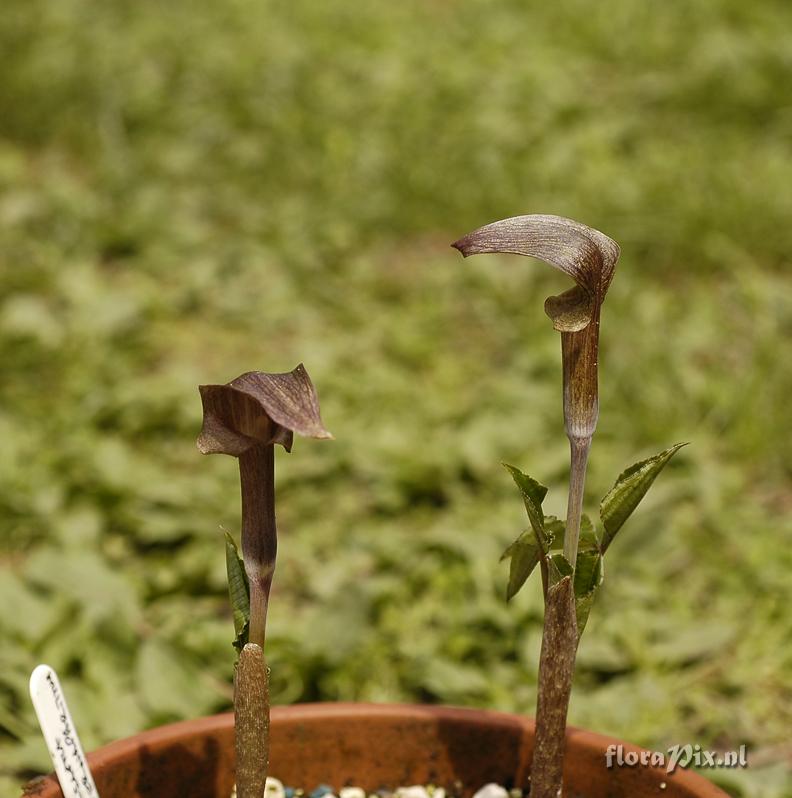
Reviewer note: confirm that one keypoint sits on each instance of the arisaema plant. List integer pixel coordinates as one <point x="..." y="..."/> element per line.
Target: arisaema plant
<point x="569" y="553"/>
<point x="246" y="418"/>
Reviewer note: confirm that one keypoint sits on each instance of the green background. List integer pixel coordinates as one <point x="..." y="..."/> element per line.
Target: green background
<point x="193" y="190"/>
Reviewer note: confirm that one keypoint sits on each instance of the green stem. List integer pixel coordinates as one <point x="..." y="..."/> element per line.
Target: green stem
<point x="579" y="452"/>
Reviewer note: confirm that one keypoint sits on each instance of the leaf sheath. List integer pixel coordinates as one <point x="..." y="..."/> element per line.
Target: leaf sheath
<point x="251" y="722"/>
<point x="556" y="668"/>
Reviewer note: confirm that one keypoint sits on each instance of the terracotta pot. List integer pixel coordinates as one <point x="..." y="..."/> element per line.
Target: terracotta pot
<point x="371" y="745"/>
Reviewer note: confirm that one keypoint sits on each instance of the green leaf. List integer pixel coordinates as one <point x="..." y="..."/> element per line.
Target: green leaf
<point x="533" y="494"/>
<point x="588" y="558"/>
<point x="524" y="554"/>
<point x="631" y="486"/>
<point x="238" y="592"/>
<point x="27" y="614"/>
<point x="102" y="592"/>
<point x="589" y="571"/>
<point x="555" y="529"/>
<point x="588" y="539"/>
<point x="557" y="568"/>
<point x="583" y="605"/>
<point x="455" y="681"/>
<point x="588" y="568"/>
<point x="170" y="683"/>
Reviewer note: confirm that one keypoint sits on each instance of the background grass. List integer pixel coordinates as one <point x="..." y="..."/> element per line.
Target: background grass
<point x="190" y="192"/>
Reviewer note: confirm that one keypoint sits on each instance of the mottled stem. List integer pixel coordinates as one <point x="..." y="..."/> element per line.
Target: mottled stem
<point x="556" y="668"/>
<point x="251" y="722"/>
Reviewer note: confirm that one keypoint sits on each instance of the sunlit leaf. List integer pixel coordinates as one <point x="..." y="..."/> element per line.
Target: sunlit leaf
<point x="101" y="592"/>
<point x="26" y="613"/>
<point x="631" y="486"/>
<point x="169" y="683"/>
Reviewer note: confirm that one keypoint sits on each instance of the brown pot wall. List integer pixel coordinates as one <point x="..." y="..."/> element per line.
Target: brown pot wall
<point x="370" y="745"/>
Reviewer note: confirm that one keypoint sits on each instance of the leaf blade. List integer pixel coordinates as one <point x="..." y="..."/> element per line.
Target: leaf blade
<point x="238" y="592"/>
<point x="631" y="486"/>
<point x="524" y="555"/>
<point x="533" y="494"/>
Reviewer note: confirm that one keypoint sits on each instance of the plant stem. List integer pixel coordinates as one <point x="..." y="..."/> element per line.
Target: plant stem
<point x="579" y="352"/>
<point x="556" y="668"/>
<point x="259" y="535"/>
<point x="251" y="680"/>
<point x="559" y="647"/>
<point x="579" y="356"/>
<point x="579" y="452"/>
<point x="251" y="722"/>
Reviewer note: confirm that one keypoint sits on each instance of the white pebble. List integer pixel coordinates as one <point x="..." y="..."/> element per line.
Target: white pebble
<point x="439" y="792"/>
<point x="274" y="788"/>
<point x="416" y="791"/>
<point x="491" y="791"/>
<point x="351" y="792"/>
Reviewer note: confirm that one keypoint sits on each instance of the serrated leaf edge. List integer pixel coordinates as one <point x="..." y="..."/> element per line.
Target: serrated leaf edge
<point x="629" y="473"/>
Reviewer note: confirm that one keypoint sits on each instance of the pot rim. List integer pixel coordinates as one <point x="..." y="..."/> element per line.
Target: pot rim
<point x="590" y="743"/>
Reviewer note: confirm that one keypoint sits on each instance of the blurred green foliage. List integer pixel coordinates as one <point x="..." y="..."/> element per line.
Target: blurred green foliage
<point x="189" y="191"/>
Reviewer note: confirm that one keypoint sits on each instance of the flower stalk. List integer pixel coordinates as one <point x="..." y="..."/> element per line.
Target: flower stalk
<point x="259" y="533"/>
<point x="246" y="418"/>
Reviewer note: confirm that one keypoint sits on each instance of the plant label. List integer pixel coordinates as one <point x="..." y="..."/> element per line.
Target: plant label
<point x="68" y="758"/>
